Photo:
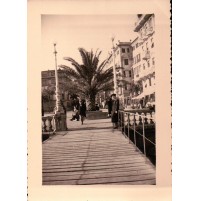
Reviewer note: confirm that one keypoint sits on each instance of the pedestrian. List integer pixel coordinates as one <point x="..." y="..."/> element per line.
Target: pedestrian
<point x="114" y="110"/>
<point x="141" y="104"/>
<point x="63" y="106"/>
<point x="97" y="107"/>
<point x="75" y="115"/>
<point x="109" y="104"/>
<point x="82" y="110"/>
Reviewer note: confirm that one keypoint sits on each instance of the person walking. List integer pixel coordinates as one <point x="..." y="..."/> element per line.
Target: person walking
<point x="75" y="115"/>
<point x="114" y="110"/>
<point x="82" y="110"/>
<point x="109" y="104"/>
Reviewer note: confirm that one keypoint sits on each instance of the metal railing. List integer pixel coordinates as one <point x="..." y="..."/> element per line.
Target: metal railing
<point x="140" y="130"/>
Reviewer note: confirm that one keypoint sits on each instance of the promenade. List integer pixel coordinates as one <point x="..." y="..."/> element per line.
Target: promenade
<point x="91" y="154"/>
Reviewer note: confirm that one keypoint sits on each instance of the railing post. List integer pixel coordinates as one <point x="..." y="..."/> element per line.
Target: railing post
<point x="118" y="119"/>
<point x="124" y="124"/>
<point x="143" y="134"/>
<point x="122" y="117"/>
<point x="128" y="126"/>
<point x="134" y="128"/>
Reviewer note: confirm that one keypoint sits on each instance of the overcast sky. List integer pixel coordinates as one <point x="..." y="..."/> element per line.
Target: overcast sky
<point x="88" y="31"/>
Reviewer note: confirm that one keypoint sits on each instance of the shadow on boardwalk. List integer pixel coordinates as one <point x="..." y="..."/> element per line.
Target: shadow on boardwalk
<point x="94" y="153"/>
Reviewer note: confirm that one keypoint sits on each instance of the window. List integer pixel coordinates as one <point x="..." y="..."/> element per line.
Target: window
<point x="143" y="66"/>
<point x="139" y="68"/>
<point x="135" y="60"/>
<point x="147" y="46"/>
<point x="44" y="82"/>
<point x="130" y="73"/>
<point x="123" y="50"/>
<point x="149" y="81"/>
<point x="128" y="50"/>
<point x="118" y="52"/>
<point x="138" y="57"/>
<point x="125" y="86"/>
<point x="135" y="71"/>
<point x="126" y="62"/>
<point x="153" y="61"/>
<point x="133" y="47"/>
<point x="53" y="81"/>
<point x="148" y="63"/>
<point x="152" y="43"/>
<point x="124" y="73"/>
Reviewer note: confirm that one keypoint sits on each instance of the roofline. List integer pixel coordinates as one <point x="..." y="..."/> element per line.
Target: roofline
<point x="141" y="22"/>
<point x="134" y="40"/>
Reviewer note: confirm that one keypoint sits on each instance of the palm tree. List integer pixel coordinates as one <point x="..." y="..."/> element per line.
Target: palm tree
<point x="90" y="77"/>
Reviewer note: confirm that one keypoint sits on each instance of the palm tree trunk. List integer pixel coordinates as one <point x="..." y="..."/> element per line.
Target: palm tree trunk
<point x="92" y="102"/>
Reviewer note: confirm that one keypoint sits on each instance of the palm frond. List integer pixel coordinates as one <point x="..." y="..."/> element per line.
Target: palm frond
<point x="69" y="72"/>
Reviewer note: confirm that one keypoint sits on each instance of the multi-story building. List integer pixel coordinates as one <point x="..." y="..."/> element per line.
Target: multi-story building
<point x="143" y="64"/>
<point x="48" y="88"/>
<point x="48" y="81"/>
<point x="123" y="62"/>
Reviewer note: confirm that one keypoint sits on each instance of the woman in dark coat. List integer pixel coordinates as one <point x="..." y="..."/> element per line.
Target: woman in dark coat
<point x="114" y="110"/>
<point x="82" y="110"/>
<point x="109" y="104"/>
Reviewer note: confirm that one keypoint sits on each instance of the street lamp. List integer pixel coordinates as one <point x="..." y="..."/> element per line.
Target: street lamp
<point x="59" y="108"/>
<point x="114" y="71"/>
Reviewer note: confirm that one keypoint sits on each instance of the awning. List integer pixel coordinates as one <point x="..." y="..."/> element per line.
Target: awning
<point x="146" y="93"/>
<point x="149" y="91"/>
<point x="138" y="97"/>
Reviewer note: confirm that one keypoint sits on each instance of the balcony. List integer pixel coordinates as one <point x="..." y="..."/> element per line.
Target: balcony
<point x="146" y="55"/>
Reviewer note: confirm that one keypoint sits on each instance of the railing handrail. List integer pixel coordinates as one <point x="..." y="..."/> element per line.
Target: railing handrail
<point x="141" y="115"/>
<point x="49" y="116"/>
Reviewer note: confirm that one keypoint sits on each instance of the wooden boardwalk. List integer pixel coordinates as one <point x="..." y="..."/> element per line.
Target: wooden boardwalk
<point x="94" y="153"/>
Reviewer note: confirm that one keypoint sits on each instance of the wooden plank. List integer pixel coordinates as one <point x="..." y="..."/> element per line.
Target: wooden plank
<point x="98" y="171"/>
<point x="98" y="175"/>
<point x="109" y="180"/>
<point x="79" y="168"/>
<point x="90" y="159"/>
<point x="86" y="162"/>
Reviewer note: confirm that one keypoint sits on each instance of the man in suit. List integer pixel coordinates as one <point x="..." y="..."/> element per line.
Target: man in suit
<point x="114" y="110"/>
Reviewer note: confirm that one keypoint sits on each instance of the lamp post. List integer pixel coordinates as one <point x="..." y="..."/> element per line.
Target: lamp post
<point x="114" y="71"/>
<point x="59" y="108"/>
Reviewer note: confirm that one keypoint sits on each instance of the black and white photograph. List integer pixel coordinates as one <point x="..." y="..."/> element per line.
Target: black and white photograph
<point x="98" y="99"/>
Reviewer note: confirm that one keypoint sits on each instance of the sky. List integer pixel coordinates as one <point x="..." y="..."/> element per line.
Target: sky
<point x="70" y="32"/>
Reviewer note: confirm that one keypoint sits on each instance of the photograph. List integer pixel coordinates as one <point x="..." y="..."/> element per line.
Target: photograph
<point x="98" y="99"/>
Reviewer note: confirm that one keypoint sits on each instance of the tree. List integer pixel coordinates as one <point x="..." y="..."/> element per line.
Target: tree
<point x="90" y="77"/>
<point x="47" y="93"/>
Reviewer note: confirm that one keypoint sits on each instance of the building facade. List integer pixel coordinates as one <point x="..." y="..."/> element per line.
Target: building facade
<point x="123" y="62"/>
<point x="143" y="64"/>
<point x="48" y="89"/>
<point x="48" y="81"/>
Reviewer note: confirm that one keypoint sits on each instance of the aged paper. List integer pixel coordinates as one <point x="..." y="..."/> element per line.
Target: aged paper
<point x="40" y="9"/>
